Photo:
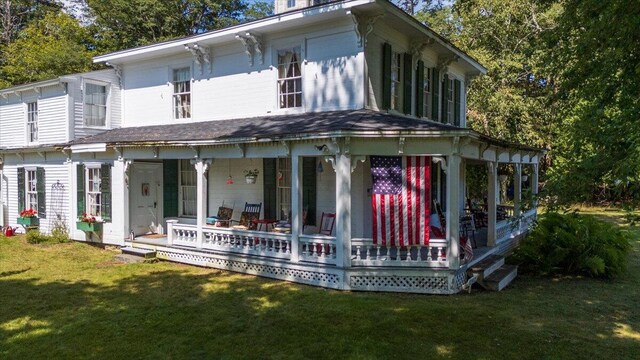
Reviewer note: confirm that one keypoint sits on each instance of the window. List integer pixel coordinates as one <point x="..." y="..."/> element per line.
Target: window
<point x="449" y="99"/>
<point x="284" y="188"/>
<point x="31" y="190"/>
<point x="95" y="105"/>
<point x="188" y="189"/>
<point x="32" y="121"/>
<point x="289" y="78"/>
<point x="182" y="93"/>
<point x="291" y="3"/>
<point x="395" y="81"/>
<point x="426" y="92"/>
<point x="94" y="193"/>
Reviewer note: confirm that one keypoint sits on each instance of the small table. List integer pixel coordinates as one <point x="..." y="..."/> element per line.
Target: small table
<point x="265" y="222"/>
<point x="282" y="230"/>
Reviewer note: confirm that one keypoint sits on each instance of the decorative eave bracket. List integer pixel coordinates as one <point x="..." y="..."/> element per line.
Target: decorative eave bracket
<point x="202" y="56"/>
<point x="444" y="62"/>
<point x="118" y="70"/>
<point x="253" y="44"/>
<point x="442" y="161"/>
<point x="364" y="26"/>
<point x="416" y="49"/>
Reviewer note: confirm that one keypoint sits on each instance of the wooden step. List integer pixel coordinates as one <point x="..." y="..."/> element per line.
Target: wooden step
<point x="143" y="253"/>
<point x="500" y="278"/>
<point x="485" y="267"/>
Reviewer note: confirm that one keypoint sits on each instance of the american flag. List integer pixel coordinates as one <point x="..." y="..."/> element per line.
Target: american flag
<point x="400" y="200"/>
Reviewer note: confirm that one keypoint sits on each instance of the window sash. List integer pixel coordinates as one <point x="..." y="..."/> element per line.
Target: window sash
<point x="188" y="189"/>
<point x="289" y="78"/>
<point x="427" y="90"/>
<point x="31" y="190"/>
<point x="283" y="188"/>
<point x="32" y="121"/>
<point x="395" y="81"/>
<point x="182" y="93"/>
<point x="291" y="3"/>
<point x="450" y="101"/>
<point x="94" y="192"/>
<point x="95" y="105"/>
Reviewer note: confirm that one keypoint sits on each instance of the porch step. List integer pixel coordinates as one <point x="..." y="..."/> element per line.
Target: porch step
<point x="500" y="278"/>
<point x="128" y="259"/>
<point x="145" y="254"/>
<point x="485" y="267"/>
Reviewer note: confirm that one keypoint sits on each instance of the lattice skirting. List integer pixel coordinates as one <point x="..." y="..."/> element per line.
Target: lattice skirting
<point x="319" y="278"/>
<point x="425" y="284"/>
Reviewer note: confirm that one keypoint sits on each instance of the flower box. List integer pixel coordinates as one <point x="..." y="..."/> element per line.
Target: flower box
<point x="89" y="226"/>
<point x="29" y="221"/>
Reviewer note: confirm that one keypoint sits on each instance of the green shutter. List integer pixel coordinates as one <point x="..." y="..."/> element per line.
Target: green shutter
<point x="42" y="195"/>
<point x="80" y="201"/>
<point x="309" y="188"/>
<point x="386" y="76"/>
<point x="21" y="190"/>
<point x="445" y="103"/>
<point x="420" y="89"/>
<point x="105" y="191"/>
<point x="170" y="187"/>
<point x="269" y="188"/>
<point x="435" y="95"/>
<point x="407" y="84"/>
<point x="457" y="119"/>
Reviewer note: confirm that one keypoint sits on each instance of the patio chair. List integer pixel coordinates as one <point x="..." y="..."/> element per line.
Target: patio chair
<point x="438" y="208"/>
<point x="223" y="218"/>
<point x="249" y="217"/>
<point x="468" y="228"/>
<point x="327" y="221"/>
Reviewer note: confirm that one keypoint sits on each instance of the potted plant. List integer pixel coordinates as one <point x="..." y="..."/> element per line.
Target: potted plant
<point x="250" y="176"/>
<point x="88" y="223"/>
<point x="28" y="218"/>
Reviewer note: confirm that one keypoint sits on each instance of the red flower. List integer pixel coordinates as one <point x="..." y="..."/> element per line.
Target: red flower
<point x="28" y="213"/>
<point x="88" y="218"/>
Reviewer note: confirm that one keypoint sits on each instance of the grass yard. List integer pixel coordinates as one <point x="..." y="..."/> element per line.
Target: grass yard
<point x="72" y="301"/>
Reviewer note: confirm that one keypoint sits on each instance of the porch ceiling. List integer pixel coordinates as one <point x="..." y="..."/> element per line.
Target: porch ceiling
<point x="357" y="123"/>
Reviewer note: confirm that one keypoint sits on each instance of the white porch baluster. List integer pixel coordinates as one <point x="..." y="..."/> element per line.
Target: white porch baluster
<point x="492" y="183"/>
<point x="453" y="211"/>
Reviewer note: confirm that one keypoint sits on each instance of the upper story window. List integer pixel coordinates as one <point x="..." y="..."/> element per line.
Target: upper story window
<point x="188" y="189"/>
<point x="31" y="190"/>
<point x="427" y="92"/>
<point x="32" y="121"/>
<point x="182" y="93"/>
<point x="94" y="191"/>
<point x="449" y="97"/>
<point x="95" y="105"/>
<point x="291" y="3"/>
<point x="395" y="81"/>
<point x="289" y="78"/>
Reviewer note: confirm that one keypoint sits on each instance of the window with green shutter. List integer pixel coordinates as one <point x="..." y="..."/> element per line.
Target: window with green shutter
<point x="170" y="187"/>
<point x="435" y="95"/>
<point x="406" y="79"/>
<point x="269" y="188"/>
<point x="309" y="189"/>
<point x="386" y="76"/>
<point x="445" y="99"/>
<point x="80" y="194"/>
<point x="21" y="189"/>
<point x="105" y="189"/>
<point x="420" y="88"/>
<point x="457" y="113"/>
<point x="40" y="190"/>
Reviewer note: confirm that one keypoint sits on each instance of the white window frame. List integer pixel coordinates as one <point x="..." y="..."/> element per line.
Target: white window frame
<point x="285" y="47"/>
<point x="450" y="100"/>
<point x="291" y="3"/>
<point x="32" y="121"/>
<point x="283" y="188"/>
<point x="396" y="83"/>
<point x="185" y="191"/>
<point x="31" y="189"/>
<point x="93" y="198"/>
<point x="85" y="106"/>
<point x="175" y="95"/>
<point x="427" y="92"/>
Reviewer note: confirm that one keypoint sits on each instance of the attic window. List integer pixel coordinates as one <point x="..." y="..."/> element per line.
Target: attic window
<point x="182" y="93"/>
<point x="291" y="3"/>
<point x="95" y="105"/>
<point x="289" y="78"/>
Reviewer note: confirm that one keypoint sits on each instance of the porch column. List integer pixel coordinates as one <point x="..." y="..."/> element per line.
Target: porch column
<point x="453" y="211"/>
<point x="534" y="185"/>
<point x="202" y="166"/>
<point x="491" y="202"/>
<point x="296" y="206"/>
<point x="517" y="189"/>
<point x="343" y="210"/>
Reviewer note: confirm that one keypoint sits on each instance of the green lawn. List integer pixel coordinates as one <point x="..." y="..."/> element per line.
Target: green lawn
<point x="72" y="301"/>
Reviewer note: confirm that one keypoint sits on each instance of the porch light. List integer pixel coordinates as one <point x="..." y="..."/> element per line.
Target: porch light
<point x="320" y="169"/>
<point x="525" y="178"/>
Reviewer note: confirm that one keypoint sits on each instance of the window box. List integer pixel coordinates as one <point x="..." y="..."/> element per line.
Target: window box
<point x="29" y="221"/>
<point x="89" y="227"/>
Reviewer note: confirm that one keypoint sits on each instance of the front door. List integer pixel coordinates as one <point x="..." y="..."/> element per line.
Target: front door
<point x="145" y="184"/>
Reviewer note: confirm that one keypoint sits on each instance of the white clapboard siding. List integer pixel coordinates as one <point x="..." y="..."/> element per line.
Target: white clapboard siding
<point x="52" y="117"/>
<point x="12" y="123"/>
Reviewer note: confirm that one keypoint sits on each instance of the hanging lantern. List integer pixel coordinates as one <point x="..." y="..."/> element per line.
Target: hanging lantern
<point x="320" y="168"/>
<point x="229" y="180"/>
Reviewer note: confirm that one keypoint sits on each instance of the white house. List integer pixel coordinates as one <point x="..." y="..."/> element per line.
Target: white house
<point x="341" y="107"/>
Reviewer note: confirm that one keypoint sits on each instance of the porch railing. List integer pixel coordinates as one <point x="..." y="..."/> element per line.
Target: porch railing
<point x="183" y="234"/>
<point x="365" y="253"/>
<point x="509" y="228"/>
<point x="318" y="248"/>
<point x="249" y="242"/>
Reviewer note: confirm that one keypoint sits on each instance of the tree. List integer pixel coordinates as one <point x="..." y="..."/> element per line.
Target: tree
<point x="16" y="14"/>
<point x="119" y="24"/>
<point x="46" y="48"/>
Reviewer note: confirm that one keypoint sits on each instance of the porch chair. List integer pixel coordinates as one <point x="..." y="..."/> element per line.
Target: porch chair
<point x="223" y="218"/>
<point x="468" y="228"/>
<point x="443" y="219"/>
<point x="327" y="221"/>
<point x="248" y="218"/>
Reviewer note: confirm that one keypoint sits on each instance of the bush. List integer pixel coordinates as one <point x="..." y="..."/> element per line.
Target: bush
<point x="35" y="237"/>
<point x="575" y="244"/>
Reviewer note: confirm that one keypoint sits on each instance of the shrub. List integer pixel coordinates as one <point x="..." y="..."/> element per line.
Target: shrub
<point x="57" y="236"/>
<point x="572" y="243"/>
